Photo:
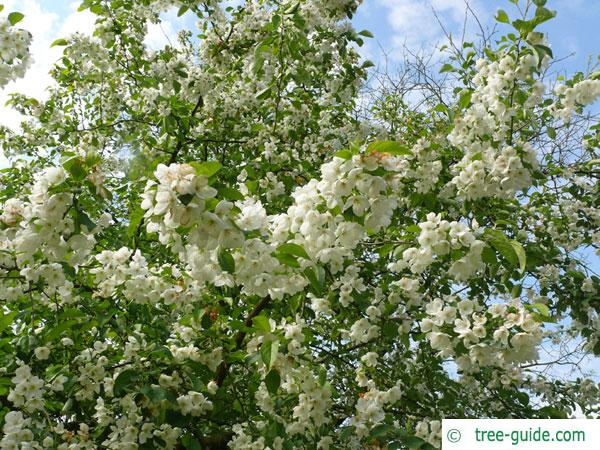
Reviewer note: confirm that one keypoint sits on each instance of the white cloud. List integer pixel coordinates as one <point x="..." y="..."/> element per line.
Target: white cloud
<point x="45" y="26"/>
<point x="414" y="24"/>
<point x="165" y="32"/>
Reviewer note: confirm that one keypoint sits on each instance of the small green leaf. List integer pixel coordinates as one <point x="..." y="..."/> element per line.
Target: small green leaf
<point x="366" y="33"/>
<point x="15" y="17"/>
<point x="206" y="168"/>
<point x="273" y="380"/>
<point x="6" y="320"/>
<point x="226" y="260"/>
<point x="542" y="309"/>
<point x="134" y="221"/>
<point x="84" y="219"/>
<point x="56" y="331"/>
<point x="264" y="94"/>
<point x="287" y="260"/>
<point x="502" y="17"/>
<point x="293" y="249"/>
<point x="344" y="154"/>
<point x="447" y="68"/>
<point x="368" y="63"/>
<point x="465" y="99"/>
<point x="543" y="14"/>
<point x="230" y="194"/>
<point x="316" y="278"/>
<point x="59" y="42"/>
<point x="268" y="352"/>
<point x="440" y="107"/>
<point x="392" y="147"/>
<point x="124" y="381"/>
<point x="488" y="255"/>
<point x="516" y="291"/>
<point x="543" y="50"/>
<point x="382" y="430"/>
<point x="190" y="442"/>
<point x="75" y="167"/>
<point x="521" y="255"/>
<point x="186" y="199"/>
<point x="261" y="323"/>
<point x="182" y="11"/>
<point x="505" y="247"/>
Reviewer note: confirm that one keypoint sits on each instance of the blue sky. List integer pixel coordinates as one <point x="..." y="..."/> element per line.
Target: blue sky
<point x="396" y="22"/>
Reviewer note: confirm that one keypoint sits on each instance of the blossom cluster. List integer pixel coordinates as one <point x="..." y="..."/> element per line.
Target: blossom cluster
<point x="14" y="52"/>
<point x="438" y="238"/>
<point x="502" y="335"/>
<point x="494" y="165"/>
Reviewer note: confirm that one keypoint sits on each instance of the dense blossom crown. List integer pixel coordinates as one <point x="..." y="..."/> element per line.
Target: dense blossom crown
<point x="213" y="244"/>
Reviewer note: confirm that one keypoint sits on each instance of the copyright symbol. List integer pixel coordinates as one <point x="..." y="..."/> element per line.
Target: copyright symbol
<point x="453" y="435"/>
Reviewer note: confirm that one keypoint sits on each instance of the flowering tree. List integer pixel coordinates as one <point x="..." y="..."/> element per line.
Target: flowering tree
<point x="206" y="246"/>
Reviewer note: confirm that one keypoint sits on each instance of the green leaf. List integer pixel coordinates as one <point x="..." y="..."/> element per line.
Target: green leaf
<point x="447" y="68"/>
<point x="293" y="249"/>
<point x="523" y="27"/>
<point x="344" y="154"/>
<point x="6" y="320"/>
<point x="392" y="147"/>
<point x="543" y="14"/>
<point x="230" y="194"/>
<point x="440" y="107"/>
<point x="124" y="381"/>
<point x="206" y="168"/>
<point x="287" y="260"/>
<point x="226" y="260"/>
<point x="552" y="413"/>
<point x="516" y="290"/>
<point x="465" y="99"/>
<point x="15" y="17"/>
<point x="414" y="442"/>
<point x="182" y="11"/>
<point x="273" y="380"/>
<point x="268" y="352"/>
<point x="134" y="221"/>
<point x="261" y="323"/>
<point x="264" y="94"/>
<point x="190" y="442"/>
<point x="84" y="219"/>
<point x="366" y="33"/>
<point x="59" y="42"/>
<point x="75" y="167"/>
<point x="511" y="250"/>
<point x="542" y="309"/>
<point x="382" y="430"/>
<point x="186" y="199"/>
<point x="502" y="17"/>
<point x="368" y="63"/>
<point x="56" y="331"/>
<point x="155" y="394"/>
<point x="542" y="51"/>
<point x="521" y="255"/>
<point x="316" y="278"/>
